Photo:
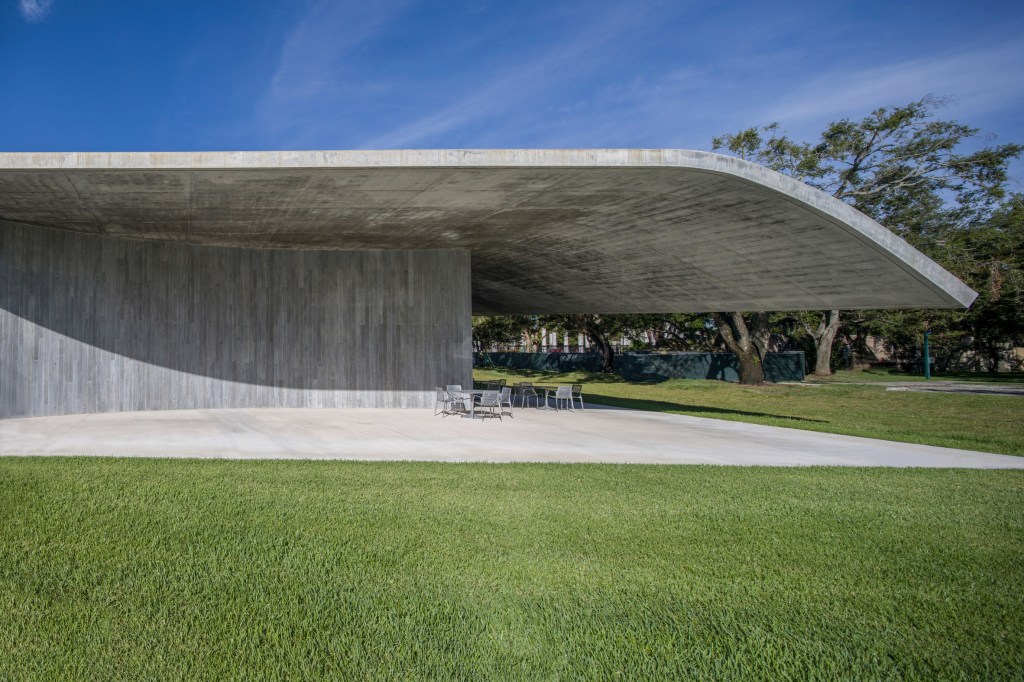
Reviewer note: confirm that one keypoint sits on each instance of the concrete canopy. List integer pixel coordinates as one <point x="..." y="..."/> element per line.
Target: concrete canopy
<point x="549" y="231"/>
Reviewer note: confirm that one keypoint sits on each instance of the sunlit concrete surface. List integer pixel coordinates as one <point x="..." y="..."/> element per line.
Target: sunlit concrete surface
<point x="594" y="435"/>
<point x="1014" y="390"/>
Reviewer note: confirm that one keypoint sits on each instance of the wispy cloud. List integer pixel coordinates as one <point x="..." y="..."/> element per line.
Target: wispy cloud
<point x="34" y="11"/>
<point x="653" y="110"/>
<point x="979" y="81"/>
<point x="311" y="73"/>
<point x="522" y="85"/>
<point x="358" y="75"/>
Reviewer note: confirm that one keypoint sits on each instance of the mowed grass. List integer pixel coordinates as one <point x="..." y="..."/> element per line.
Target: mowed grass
<point x="989" y="423"/>
<point x="169" y="569"/>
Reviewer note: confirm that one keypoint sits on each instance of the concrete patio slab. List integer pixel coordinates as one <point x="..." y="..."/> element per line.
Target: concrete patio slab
<point x="603" y="435"/>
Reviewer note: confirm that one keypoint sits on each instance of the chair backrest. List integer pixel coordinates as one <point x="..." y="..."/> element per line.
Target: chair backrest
<point x="577" y="390"/>
<point x="441" y="394"/>
<point x="506" y="393"/>
<point x="502" y="382"/>
<point x="563" y="392"/>
<point x="489" y="399"/>
<point x="526" y="384"/>
<point x="453" y="387"/>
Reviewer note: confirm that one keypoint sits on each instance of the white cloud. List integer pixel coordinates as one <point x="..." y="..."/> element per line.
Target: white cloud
<point x="978" y="81"/>
<point x="590" y="83"/>
<point x="34" y="11"/>
<point x="311" y="73"/>
<point x="531" y="80"/>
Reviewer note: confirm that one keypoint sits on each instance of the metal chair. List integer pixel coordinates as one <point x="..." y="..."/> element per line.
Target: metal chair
<point x="525" y="391"/>
<point x="459" y="398"/>
<point x="490" y="400"/>
<point x="444" y="400"/>
<point x="506" y="399"/>
<point x="564" y="393"/>
<point x="577" y="393"/>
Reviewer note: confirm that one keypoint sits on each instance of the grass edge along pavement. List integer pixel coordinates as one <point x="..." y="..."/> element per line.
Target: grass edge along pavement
<point x="133" y="568"/>
<point x="971" y="422"/>
<point x="886" y="374"/>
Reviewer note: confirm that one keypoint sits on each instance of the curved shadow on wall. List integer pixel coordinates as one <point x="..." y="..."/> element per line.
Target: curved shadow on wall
<point x="325" y="320"/>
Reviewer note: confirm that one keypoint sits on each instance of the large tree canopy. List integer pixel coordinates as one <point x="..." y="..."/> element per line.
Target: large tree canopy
<point x="919" y="176"/>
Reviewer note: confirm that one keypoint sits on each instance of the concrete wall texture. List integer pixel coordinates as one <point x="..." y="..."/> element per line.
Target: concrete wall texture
<point x="101" y="324"/>
<point x="657" y="366"/>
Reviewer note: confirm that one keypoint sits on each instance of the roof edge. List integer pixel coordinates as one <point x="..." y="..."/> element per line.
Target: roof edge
<point x="843" y="215"/>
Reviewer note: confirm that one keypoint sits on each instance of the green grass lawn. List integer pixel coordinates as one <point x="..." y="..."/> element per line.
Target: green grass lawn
<point x="973" y="422"/>
<point x="168" y="569"/>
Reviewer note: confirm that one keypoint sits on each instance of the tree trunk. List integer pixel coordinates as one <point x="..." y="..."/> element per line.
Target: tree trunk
<point x="751" y="369"/>
<point x="603" y="345"/>
<point x="748" y="341"/>
<point x="824" y="336"/>
<point x="994" y="356"/>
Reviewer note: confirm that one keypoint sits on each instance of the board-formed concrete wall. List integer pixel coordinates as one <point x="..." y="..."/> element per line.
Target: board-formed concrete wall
<point x="102" y="324"/>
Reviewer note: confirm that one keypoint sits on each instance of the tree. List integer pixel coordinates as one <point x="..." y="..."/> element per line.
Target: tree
<point x="747" y="336"/>
<point x="599" y="329"/>
<point x="824" y="334"/>
<point x="990" y="257"/>
<point x="685" y="331"/>
<point x="899" y="165"/>
<point x="495" y="329"/>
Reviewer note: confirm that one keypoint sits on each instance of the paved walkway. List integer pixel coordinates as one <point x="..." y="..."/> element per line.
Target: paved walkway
<point x="595" y="435"/>
<point x="957" y="387"/>
<point x="1009" y="389"/>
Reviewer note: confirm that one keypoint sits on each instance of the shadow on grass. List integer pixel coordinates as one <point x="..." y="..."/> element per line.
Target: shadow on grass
<point x="592" y="378"/>
<point x="661" y="406"/>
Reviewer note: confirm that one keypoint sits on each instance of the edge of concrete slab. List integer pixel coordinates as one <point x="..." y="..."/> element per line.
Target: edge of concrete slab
<point x="415" y="435"/>
<point x="845" y="217"/>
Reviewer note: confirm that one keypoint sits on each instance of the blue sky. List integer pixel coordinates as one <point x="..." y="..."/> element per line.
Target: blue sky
<point x="87" y="75"/>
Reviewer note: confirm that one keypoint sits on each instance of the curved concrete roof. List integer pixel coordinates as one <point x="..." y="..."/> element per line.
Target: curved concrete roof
<point x="550" y="230"/>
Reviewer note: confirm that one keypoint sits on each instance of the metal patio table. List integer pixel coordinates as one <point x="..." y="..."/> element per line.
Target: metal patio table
<point x="547" y="392"/>
<point x="471" y="393"/>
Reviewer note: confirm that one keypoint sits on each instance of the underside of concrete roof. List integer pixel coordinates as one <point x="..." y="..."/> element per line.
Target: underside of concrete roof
<point x="548" y="231"/>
